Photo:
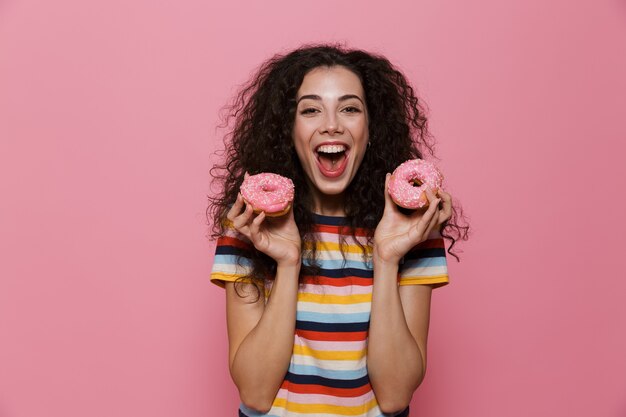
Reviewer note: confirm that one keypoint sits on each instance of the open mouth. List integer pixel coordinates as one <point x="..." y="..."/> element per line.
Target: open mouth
<point x="332" y="158"/>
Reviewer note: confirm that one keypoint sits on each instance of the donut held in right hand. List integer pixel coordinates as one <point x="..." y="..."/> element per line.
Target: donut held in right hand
<point x="268" y="192"/>
<point x="409" y="181"/>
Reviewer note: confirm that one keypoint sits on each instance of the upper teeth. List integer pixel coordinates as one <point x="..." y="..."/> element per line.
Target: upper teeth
<point x="331" y="148"/>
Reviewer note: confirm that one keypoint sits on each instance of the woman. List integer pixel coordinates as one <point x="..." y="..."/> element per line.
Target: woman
<point x="317" y="323"/>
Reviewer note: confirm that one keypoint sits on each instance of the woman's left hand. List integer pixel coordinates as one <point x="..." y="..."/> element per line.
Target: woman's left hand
<point x="397" y="233"/>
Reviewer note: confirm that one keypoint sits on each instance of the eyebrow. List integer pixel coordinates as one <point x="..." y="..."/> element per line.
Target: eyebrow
<point x="342" y="98"/>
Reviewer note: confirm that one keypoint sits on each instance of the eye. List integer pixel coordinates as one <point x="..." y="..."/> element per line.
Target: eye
<point x="309" y="110"/>
<point x="352" y="109"/>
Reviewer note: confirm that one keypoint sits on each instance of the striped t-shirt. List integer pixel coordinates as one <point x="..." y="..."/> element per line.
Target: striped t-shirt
<point x="327" y="375"/>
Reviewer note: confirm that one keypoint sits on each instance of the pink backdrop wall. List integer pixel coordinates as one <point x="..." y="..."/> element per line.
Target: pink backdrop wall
<point x="107" y="120"/>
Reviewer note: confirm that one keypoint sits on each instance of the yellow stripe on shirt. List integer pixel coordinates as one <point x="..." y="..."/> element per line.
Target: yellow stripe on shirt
<point x="330" y="355"/>
<point x="334" y="299"/>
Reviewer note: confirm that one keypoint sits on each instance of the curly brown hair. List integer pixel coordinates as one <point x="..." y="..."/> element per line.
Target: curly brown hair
<point x="261" y="141"/>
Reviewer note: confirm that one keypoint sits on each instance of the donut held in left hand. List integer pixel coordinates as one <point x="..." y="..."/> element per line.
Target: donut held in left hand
<point x="268" y="192"/>
<point x="409" y="181"/>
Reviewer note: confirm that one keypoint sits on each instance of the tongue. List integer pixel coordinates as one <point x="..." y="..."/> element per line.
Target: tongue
<point x="331" y="161"/>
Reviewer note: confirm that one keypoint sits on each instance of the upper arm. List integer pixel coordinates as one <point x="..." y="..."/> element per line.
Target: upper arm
<point x="242" y="315"/>
<point x="416" y="306"/>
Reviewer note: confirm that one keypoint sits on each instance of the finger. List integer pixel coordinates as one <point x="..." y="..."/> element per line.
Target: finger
<point x="246" y="175"/>
<point x="235" y="210"/>
<point x="446" y="211"/>
<point x="434" y="221"/>
<point x="290" y="215"/>
<point x="425" y="221"/>
<point x="244" y="218"/>
<point x="430" y="195"/>
<point x="432" y="209"/>
<point x="389" y="203"/>
<point x="421" y="212"/>
<point x="256" y="225"/>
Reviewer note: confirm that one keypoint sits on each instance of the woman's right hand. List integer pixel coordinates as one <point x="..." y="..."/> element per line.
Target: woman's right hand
<point x="277" y="237"/>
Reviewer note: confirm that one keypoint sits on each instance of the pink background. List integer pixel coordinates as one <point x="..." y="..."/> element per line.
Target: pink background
<point x="107" y="118"/>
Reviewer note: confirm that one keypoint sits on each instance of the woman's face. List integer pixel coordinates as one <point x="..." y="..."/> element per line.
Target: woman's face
<point x="330" y="132"/>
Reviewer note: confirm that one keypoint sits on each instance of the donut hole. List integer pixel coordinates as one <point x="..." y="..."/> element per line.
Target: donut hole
<point x="416" y="183"/>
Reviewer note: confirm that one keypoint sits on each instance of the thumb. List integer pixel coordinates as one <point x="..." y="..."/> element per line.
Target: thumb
<point x="389" y="203"/>
<point x="291" y="216"/>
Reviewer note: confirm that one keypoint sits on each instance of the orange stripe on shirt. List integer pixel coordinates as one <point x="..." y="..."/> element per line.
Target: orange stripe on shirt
<point x="332" y="336"/>
<point x="321" y="389"/>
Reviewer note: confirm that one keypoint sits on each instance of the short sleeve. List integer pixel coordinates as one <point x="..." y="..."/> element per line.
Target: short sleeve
<point x="232" y="257"/>
<point x="425" y="263"/>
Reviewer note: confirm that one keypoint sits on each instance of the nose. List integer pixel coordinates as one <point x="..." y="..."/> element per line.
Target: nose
<point x="330" y="124"/>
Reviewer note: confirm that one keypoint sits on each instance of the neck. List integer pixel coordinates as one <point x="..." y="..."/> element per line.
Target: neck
<point x="328" y="205"/>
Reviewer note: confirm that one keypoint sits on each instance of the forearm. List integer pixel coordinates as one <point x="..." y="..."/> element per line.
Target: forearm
<point x="394" y="360"/>
<point x="262" y="360"/>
